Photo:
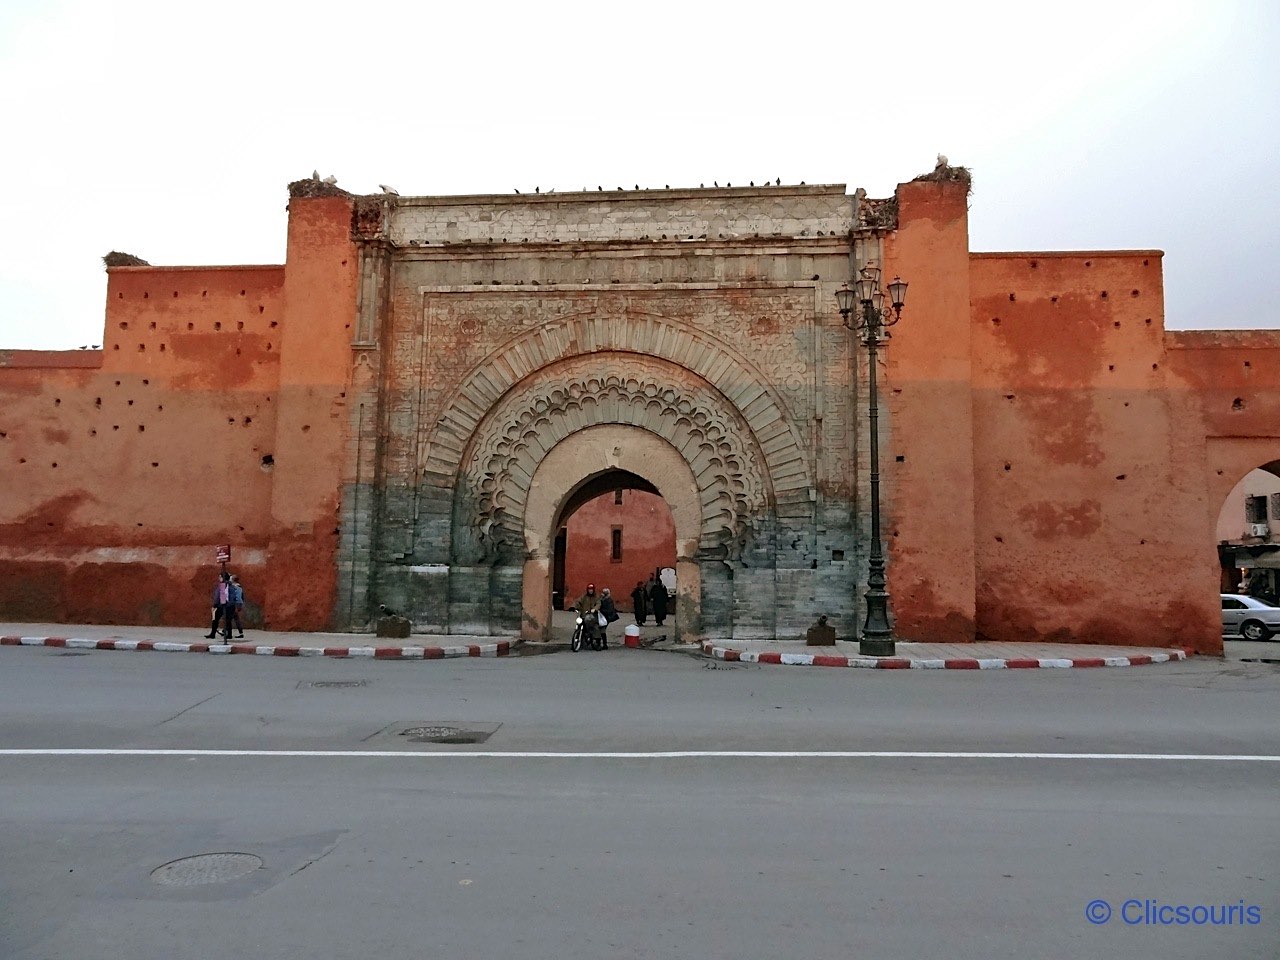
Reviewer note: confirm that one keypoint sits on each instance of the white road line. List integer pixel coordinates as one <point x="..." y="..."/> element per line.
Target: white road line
<point x="639" y="755"/>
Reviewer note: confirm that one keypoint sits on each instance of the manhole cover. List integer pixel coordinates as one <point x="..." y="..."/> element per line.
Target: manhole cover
<point x="331" y="683"/>
<point x="205" y="868"/>
<point x="442" y="734"/>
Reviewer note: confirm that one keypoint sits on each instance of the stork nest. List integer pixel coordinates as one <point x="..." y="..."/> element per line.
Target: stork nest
<point x="117" y="259"/>
<point x="945" y="173"/>
<point x="316" y="188"/>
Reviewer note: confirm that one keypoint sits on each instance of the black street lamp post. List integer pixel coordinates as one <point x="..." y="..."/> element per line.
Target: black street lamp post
<point x="872" y="325"/>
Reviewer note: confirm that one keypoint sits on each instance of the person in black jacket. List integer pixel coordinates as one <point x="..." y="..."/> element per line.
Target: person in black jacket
<point x="640" y="603"/>
<point x="658" y="597"/>
<point x="610" y="611"/>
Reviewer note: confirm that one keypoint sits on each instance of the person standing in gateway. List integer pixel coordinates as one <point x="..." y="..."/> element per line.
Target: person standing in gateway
<point x="640" y="603"/>
<point x="658" y="596"/>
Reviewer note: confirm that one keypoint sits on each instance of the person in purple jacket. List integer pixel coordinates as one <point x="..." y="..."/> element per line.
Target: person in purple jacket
<point x="221" y="607"/>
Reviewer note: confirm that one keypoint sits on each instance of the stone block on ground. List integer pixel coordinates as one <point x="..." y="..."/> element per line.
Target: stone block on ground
<point x="821" y="634"/>
<point x="393" y="628"/>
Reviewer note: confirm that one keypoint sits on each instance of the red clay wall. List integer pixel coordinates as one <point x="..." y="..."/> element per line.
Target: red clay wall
<point x="133" y="462"/>
<point x="648" y="543"/>
<point x="1090" y="517"/>
<point x="1228" y="382"/>
<point x="927" y="431"/>
<point x="312" y="420"/>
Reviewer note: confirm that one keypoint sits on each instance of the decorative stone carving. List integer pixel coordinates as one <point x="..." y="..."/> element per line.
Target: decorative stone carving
<point x="617" y="388"/>
<point x="743" y="386"/>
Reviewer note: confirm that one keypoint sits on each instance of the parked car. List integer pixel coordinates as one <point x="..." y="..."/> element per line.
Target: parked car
<point x="1249" y="617"/>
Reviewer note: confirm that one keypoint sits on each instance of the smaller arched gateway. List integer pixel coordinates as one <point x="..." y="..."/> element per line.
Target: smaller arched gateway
<point x="606" y="451"/>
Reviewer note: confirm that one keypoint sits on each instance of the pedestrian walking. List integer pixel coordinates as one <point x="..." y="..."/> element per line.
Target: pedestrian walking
<point x="610" y="611"/>
<point x="221" y="605"/>
<point x="236" y="600"/>
<point x="640" y="603"/>
<point x="658" y="596"/>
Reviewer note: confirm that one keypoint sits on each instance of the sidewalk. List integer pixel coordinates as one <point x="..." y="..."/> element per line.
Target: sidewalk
<point x="942" y="656"/>
<point x="256" y="642"/>
<point x="918" y="656"/>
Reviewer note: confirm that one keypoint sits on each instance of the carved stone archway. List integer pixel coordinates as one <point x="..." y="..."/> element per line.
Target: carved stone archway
<point x="652" y="395"/>
<point x="577" y="459"/>
<point x="733" y="376"/>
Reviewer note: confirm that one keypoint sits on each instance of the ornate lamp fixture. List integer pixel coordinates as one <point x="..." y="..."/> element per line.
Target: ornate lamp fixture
<point x="871" y="324"/>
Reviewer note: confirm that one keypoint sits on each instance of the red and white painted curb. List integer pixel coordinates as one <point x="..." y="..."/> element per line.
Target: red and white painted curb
<point x="956" y="663"/>
<point x="499" y="649"/>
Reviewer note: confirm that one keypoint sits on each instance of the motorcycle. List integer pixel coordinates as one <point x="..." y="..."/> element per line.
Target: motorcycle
<point x="579" y="636"/>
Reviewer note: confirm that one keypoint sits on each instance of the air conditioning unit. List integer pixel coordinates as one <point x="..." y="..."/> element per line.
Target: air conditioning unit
<point x="1259" y="530"/>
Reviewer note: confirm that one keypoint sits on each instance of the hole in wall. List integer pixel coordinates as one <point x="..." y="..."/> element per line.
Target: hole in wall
<point x="900" y="458"/>
<point x="1008" y="466"/>
<point x="124" y="324"/>
<point x="239" y="324"/>
<point x="1237" y="403"/>
<point x="57" y="401"/>
<point x="191" y="326"/>
<point x="162" y="348"/>
<point x="175" y="293"/>
<point x="1054" y="298"/>
<point x="268" y="461"/>
<point x="242" y="293"/>
<point x="837" y="556"/>
<point x="261" y="308"/>
<point x="129" y="403"/>
<point x="141" y="428"/>
<point x="1116" y="324"/>
<point x="142" y="348"/>
<point x="1103" y="294"/>
<point x="1120" y="476"/>
<point x="146" y="295"/>
<point x="999" y="539"/>
<point x="1111" y="367"/>
<point x="217" y="324"/>
<point x="273" y="324"/>
<point x="97" y="402"/>
<point x="116" y="347"/>
<point x="1133" y="293"/>
<point x="306" y="427"/>
<point x="1088" y="263"/>
<point x="154" y="463"/>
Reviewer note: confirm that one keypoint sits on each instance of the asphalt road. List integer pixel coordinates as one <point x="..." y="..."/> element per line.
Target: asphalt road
<point x="433" y="850"/>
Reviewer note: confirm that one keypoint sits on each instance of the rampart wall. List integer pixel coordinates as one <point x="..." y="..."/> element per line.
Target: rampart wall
<point x="130" y="463"/>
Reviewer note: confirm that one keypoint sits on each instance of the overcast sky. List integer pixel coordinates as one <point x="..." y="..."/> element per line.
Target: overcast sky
<point x="170" y="130"/>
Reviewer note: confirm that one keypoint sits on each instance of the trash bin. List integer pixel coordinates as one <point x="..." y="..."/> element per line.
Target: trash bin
<point x="631" y="636"/>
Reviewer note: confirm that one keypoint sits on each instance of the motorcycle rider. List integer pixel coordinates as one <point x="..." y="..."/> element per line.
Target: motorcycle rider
<point x="588" y="607"/>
